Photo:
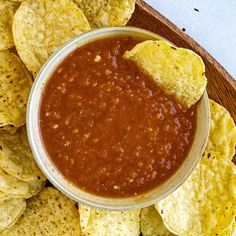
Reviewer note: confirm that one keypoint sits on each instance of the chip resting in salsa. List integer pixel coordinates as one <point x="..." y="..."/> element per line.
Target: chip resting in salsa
<point x="178" y="71"/>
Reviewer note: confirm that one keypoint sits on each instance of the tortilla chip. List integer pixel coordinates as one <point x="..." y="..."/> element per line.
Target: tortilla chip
<point x="16" y="157"/>
<point x="14" y="187"/>
<point x="179" y="72"/>
<point x="105" y="13"/>
<point x="152" y="223"/>
<point x="15" y="84"/>
<point x="40" y="27"/>
<point x="7" y="11"/>
<point x="105" y="223"/>
<point x="8" y="128"/>
<point x="11" y="210"/>
<point x="206" y="203"/>
<point x="222" y="136"/>
<point x="49" y="213"/>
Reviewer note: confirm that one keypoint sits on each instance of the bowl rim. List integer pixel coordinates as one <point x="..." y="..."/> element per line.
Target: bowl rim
<point x="56" y="178"/>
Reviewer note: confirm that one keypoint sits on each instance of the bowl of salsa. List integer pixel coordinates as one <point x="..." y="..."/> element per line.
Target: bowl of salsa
<point x="103" y="132"/>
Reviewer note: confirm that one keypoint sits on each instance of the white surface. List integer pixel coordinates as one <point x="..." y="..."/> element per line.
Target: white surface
<point x="213" y="27"/>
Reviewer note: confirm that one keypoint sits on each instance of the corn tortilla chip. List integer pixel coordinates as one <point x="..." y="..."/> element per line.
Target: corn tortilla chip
<point x="16" y="157"/>
<point x="14" y="187"/>
<point x="152" y="223"/>
<point x="104" y="13"/>
<point x="7" y="11"/>
<point x="40" y="27"/>
<point x="48" y="213"/>
<point x="15" y="85"/>
<point x="179" y="72"/>
<point x="105" y="223"/>
<point x="222" y="136"/>
<point x="206" y="203"/>
<point x="11" y="210"/>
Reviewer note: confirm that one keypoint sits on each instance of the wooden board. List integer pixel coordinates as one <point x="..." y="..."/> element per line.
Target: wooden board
<point x="221" y="86"/>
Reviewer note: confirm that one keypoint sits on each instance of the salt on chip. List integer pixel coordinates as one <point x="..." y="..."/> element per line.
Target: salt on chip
<point x="206" y="203"/>
<point x="48" y="213"/>
<point x="11" y="210"/>
<point x="40" y="27"/>
<point x="14" y="187"/>
<point x="105" y="13"/>
<point x="15" y="84"/>
<point x="105" y="223"/>
<point x="152" y="223"/>
<point x="222" y="136"/>
<point x="178" y="71"/>
<point x="7" y="11"/>
<point x="16" y="157"/>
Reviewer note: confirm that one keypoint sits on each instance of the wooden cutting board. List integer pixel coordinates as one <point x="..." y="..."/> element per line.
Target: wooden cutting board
<point x="221" y="86"/>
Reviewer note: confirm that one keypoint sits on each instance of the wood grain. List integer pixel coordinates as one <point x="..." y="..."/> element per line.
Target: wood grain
<point x="221" y="86"/>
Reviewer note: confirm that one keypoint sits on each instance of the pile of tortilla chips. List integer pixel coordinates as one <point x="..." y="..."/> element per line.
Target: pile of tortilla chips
<point x="30" y="31"/>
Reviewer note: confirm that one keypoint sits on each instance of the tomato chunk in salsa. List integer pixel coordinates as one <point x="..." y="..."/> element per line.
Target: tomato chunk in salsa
<point x="108" y="127"/>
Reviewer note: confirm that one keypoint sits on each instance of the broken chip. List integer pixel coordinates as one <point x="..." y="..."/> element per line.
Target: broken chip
<point x="178" y="71"/>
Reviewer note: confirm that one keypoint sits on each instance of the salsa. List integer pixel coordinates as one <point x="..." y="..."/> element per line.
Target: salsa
<point x="108" y="127"/>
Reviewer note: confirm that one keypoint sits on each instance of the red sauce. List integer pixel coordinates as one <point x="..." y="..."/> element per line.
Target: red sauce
<point x="107" y="126"/>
